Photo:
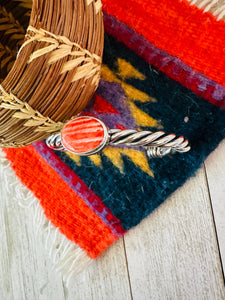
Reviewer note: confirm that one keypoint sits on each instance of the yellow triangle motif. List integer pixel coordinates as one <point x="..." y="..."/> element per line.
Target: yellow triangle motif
<point x="96" y="159"/>
<point x="126" y="70"/>
<point x="131" y="92"/>
<point x="143" y="119"/>
<point x="75" y="158"/>
<point x="139" y="158"/>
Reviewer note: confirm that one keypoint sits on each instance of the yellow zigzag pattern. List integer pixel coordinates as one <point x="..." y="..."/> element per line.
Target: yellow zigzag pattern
<point x="125" y="71"/>
<point x="139" y="158"/>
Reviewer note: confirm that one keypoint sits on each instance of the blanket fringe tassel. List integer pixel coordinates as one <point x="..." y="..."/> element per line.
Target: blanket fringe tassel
<point x="217" y="8"/>
<point x="67" y="257"/>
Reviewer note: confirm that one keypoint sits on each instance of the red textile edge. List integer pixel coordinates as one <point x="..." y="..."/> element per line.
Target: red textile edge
<point x="178" y="28"/>
<point x="174" y="67"/>
<point x="66" y="211"/>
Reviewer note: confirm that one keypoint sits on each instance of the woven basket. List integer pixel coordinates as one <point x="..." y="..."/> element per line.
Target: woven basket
<point x="49" y="76"/>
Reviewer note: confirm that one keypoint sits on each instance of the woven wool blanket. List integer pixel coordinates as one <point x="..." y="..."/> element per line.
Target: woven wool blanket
<point x="163" y="69"/>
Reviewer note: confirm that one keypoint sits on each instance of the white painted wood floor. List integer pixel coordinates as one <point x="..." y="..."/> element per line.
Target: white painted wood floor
<point x="176" y="253"/>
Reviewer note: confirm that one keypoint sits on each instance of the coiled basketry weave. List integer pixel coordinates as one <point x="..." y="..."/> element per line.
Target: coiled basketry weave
<point x="48" y="70"/>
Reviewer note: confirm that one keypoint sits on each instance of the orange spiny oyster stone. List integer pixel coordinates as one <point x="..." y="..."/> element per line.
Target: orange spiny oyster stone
<point x="83" y="134"/>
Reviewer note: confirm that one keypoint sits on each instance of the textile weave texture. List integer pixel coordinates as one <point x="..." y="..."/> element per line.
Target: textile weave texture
<point x="163" y="69"/>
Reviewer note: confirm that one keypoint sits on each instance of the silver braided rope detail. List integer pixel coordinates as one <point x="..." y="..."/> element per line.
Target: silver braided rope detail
<point x="54" y="142"/>
<point x="149" y="139"/>
<point x="158" y="152"/>
<point x="157" y="144"/>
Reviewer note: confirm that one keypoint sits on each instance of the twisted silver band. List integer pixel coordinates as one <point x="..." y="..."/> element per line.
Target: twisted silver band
<point x="157" y="144"/>
<point x="148" y="139"/>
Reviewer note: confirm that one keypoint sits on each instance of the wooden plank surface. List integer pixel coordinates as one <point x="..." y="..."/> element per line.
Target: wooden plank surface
<point x="26" y="271"/>
<point x="172" y="254"/>
<point x="215" y="169"/>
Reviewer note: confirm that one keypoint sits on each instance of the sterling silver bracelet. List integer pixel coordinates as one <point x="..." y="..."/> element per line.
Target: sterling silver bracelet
<point x="87" y="135"/>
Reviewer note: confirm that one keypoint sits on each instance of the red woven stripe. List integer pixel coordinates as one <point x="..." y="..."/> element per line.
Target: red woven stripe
<point x="62" y="206"/>
<point x="178" y="28"/>
<point x="174" y="68"/>
<point x="79" y="187"/>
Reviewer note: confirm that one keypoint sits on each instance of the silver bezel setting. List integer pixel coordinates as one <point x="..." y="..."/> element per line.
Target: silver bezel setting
<point x="100" y="147"/>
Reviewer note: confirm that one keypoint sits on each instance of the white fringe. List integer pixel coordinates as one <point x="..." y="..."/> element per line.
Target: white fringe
<point x="216" y="7"/>
<point x="67" y="257"/>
